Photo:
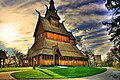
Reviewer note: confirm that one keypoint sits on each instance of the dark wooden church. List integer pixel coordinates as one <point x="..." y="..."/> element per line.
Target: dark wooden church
<point x="2" y="58"/>
<point x="53" y="44"/>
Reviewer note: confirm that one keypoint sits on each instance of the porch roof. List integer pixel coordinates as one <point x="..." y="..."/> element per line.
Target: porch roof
<point x="65" y="49"/>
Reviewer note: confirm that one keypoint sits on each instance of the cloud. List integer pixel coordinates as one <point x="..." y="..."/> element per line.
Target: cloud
<point x="83" y="17"/>
<point x="1" y="45"/>
<point x="23" y="17"/>
<point x="94" y="36"/>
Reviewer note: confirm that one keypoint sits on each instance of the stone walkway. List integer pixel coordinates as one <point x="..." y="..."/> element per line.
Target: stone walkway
<point x="110" y="74"/>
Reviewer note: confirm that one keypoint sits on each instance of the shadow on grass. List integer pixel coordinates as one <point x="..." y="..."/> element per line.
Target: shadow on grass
<point x="52" y="74"/>
<point x="46" y="73"/>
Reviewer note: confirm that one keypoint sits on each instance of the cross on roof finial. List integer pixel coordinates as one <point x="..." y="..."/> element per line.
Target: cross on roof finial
<point x="52" y="7"/>
<point x="51" y="2"/>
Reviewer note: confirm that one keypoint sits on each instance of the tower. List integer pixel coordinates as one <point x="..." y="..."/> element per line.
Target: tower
<point x="51" y="14"/>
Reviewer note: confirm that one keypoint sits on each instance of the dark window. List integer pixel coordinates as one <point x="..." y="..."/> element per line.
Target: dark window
<point x="60" y="58"/>
<point x="43" y="57"/>
<point x="51" y="57"/>
<point x="47" y="57"/>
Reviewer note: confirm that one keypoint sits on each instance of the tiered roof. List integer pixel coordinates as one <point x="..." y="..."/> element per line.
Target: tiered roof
<point x="66" y="49"/>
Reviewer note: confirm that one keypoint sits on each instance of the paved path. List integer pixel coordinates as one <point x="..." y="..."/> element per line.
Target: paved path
<point x="110" y="74"/>
<point x="6" y="75"/>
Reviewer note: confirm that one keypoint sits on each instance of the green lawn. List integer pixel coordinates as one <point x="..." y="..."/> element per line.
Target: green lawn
<point x="31" y="74"/>
<point x="46" y="72"/>
<point x="118" y="68"/>
<point x="47" y="67"/>
<point x="78" y="71"/>
<point x="15" y="69"/>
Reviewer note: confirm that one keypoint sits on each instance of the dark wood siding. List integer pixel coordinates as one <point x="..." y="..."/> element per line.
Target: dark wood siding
<point x="72" y="41"/>
<point x="39" y="32"/>
<point x="72" y="63"/>
<point x="48" y="60"/>
<point x="45" y="61"/>
<point x="57" y="37"/>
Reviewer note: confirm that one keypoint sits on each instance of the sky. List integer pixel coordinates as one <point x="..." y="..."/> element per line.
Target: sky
<point x="82" y="17"/>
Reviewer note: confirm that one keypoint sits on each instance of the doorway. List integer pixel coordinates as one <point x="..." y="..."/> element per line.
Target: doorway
<point x="56" y="60"/>
<point x="56" y="55"/>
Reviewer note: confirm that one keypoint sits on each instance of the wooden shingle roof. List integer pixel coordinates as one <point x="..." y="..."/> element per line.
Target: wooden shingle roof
<point x="53" y="14"/>
<point x="52" y="11"/>
<point x="44" y="22"/>
<point x="66" y="49"/>
<point x="55" y="29"/>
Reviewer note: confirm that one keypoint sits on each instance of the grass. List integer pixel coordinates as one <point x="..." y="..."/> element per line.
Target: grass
<point x="47" y="67"/>
<point x="31" y="74"/>
<point x="118" y="69"/>
<point x="53" y="72"/>
<point x="15" y="69"/>
<point x="78" y="71"/>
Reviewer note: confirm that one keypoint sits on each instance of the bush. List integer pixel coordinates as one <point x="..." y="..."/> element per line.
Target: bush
<point x="116" y="64"/>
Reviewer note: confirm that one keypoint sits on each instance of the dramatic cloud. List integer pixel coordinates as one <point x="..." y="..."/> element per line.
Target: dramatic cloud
<point x="83" y="17"/>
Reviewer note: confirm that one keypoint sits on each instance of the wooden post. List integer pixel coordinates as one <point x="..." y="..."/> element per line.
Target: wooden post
<point x="34" y="61"/>
<point x="0" y="63"/>
<point x="33" y="66"/>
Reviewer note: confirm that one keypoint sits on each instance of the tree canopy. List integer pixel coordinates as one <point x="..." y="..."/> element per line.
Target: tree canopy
<point x="114" y="25"/>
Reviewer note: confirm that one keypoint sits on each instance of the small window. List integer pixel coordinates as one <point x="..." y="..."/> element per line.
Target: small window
<point x="43" y="57"/>
<point x="26" y="61"/>
<point x="40" y="35"/>
<point x="60" y="58"/>
<point x="46" y="57"/>
<point x="51" y="57"/>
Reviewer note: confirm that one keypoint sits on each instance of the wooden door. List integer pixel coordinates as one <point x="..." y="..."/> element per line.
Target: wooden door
<point x="56" y="60"/>
<point x="56" y="55"/>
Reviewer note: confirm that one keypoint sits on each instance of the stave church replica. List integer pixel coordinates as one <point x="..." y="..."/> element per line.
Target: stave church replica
<point x="53" y="44"/>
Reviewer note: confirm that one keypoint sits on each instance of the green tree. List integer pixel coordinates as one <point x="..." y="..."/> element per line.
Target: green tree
<point x="114" y="25"/>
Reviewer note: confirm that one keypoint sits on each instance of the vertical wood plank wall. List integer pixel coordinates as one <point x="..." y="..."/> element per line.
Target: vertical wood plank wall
<point x="72" y="63"/>
<point x="57" y="37"/>
<point x="46" y="62"/>
<point x="39" y="62"/>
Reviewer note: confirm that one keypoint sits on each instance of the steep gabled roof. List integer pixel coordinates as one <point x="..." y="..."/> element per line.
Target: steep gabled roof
<point x="52" y="12"/>
<point x="38" y="24"/>
<point x="51" y="28"/>
<point x="38" y="45"/>
<point x="52" y="7"/>
<point x="47" y="26"/>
